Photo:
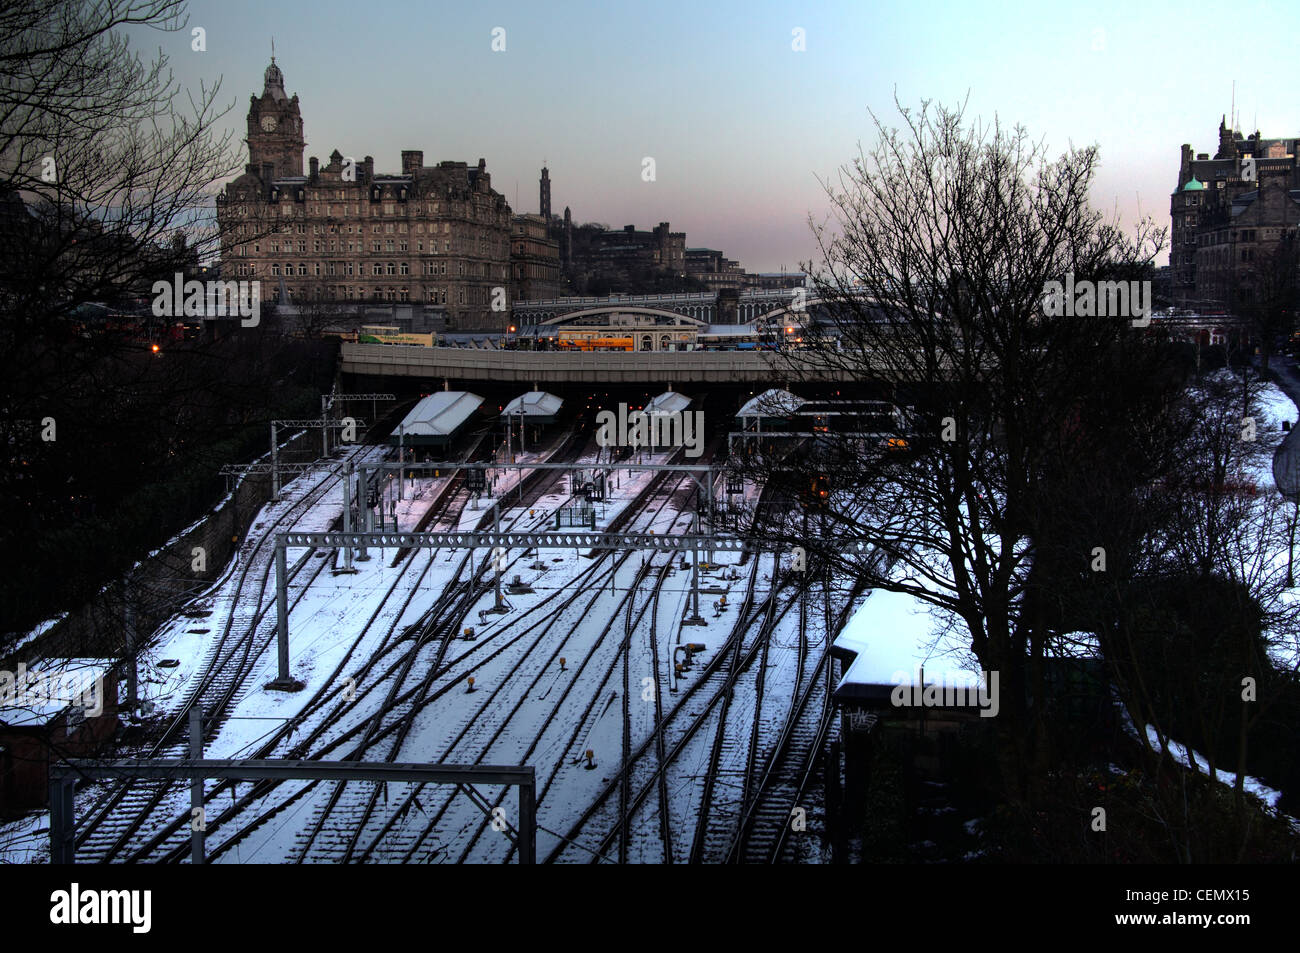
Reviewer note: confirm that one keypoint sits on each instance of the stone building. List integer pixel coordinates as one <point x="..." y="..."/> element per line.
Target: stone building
<point x="605" y="254"/>
<point x="714" y="269"/>
<point x="1229" y="213"/>
<point x="534" y="260"/>
<point x="434" y="235"/>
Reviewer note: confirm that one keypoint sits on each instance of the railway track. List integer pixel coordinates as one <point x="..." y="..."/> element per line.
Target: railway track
<point x="120" y="813"/>
<point x="526" y="710"/>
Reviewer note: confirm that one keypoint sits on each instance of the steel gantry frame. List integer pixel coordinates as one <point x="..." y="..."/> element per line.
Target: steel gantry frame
<point x="63" y="778"/>
<point x="324" y="423"/>
<point x="488" y="539"/>
<point x="704" y="475"/>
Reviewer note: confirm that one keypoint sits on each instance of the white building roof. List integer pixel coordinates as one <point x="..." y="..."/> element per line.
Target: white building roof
<point x="535" y="403"/>
<point x="892" y="635"/>
<point x="669" y="402"/>
<point x="440" y="414"/>
<point x="33" y="696"/>
<point x="772" y="403"/>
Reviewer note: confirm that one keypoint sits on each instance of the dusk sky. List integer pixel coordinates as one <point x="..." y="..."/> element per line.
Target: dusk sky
<point x="739" y="124"/>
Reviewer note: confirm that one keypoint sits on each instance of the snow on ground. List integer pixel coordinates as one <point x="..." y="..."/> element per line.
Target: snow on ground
<point x="337" y="622"/>
<point x="37" y="632"/>
<point x="1198" y="762"/>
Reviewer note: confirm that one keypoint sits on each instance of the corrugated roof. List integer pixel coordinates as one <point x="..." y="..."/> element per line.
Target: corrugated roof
<point x="535" y="403"/>
<point x="440" y="414"/>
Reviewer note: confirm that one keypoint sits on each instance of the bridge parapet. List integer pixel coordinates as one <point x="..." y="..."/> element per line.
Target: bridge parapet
<point x="379" y="360"/>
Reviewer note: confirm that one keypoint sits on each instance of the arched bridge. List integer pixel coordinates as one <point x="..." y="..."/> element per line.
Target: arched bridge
<point x="708" y="307"/>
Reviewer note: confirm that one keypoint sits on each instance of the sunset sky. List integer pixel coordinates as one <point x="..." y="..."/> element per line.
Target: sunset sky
<point x="740" y="125"/>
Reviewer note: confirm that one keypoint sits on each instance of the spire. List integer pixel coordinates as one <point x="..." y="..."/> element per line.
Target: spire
<point x="273" y="79"/>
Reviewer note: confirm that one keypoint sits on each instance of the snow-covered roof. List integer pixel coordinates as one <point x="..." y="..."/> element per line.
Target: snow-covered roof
<point x="30" y="697"/>
<point x="669" y="402"/>
<point x="890" y="638"/>
<point x="535" y="403"/>
<point x="440" y="414"/>
<point x="772" y="403"/>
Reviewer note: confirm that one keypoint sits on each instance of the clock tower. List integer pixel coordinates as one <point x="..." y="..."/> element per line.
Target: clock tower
<point x="275" y="127"/>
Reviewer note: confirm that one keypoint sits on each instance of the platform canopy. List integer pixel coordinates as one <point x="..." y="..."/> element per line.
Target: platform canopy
<point x="772" y="403"/>
<point x="669" y="402"/>
<point x="537" y="406"/>
<point x="436" y="419"/>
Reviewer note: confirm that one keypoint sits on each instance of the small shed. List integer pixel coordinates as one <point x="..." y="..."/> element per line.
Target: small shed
<point x="64" y="705"/>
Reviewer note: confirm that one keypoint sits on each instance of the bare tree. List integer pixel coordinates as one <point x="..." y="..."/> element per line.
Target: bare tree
<point x="108" y="175"/>
<point x="946" y="237"/>
<point x="1268" y="294"/>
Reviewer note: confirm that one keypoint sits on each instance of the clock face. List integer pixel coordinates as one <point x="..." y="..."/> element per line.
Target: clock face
<point x="268" y="123"/>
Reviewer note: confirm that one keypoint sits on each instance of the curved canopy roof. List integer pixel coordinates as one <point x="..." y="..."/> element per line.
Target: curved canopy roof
<point x="535" y="403"/>
<point x="772" y="403"/>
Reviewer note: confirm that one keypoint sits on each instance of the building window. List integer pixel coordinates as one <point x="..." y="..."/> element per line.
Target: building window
<point x="406" y="268"/>
<point x="392" y="269"/>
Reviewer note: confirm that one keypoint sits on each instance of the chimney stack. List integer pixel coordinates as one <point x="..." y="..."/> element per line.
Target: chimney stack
<point x="314" y="165"/>
<point x="412" y="161"/>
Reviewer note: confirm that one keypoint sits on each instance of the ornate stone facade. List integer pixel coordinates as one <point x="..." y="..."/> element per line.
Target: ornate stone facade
<point x="436" y="235"/>
<point x="1229" y="213"/>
